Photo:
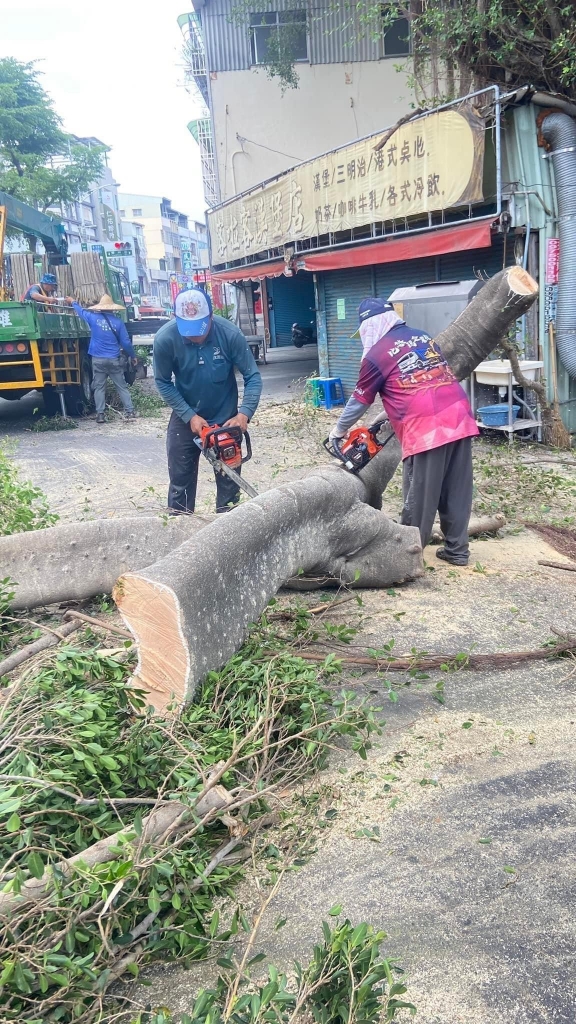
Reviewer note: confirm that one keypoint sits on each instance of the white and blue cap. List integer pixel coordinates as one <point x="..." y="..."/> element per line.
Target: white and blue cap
<point x="193" y="312"/>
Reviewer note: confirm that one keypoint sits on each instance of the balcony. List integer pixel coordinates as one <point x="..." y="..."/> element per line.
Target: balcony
<point x="194" y="54"/>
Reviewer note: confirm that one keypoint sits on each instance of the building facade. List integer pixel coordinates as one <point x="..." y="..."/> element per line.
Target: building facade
<point x="136" y="264"/>
<point x="349" y="86"/>
<point x="172" y="243"/>
<point x="93" y="219"/>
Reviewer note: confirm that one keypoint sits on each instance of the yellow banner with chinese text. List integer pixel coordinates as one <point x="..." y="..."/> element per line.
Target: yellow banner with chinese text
<point x="427" y="165"/>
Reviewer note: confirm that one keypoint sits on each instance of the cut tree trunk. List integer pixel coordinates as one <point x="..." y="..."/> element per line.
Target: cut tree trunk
<point x="190" y="611"/>
<point x="487" y="319"/>
<point x="476" y="527"/>
<point x="79" y="560"/>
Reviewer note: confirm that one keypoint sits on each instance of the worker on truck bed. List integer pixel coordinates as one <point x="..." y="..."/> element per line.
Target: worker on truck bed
<point x="44" y="291"/>
<point x="108" y="340"/>
<point x="432" y="418"/>
<point x="202" y="351"/>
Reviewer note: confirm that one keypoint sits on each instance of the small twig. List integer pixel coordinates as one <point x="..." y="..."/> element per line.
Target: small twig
<point x="291" y="614"/>
<point x="38" y="625"/>
<point x="109" y="627"/>
<point x="250" y="945"/>
<point x="16" y="659"/>
<point x="557" y="565"/>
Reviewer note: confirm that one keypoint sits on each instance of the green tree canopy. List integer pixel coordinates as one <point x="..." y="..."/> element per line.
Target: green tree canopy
<point x="39" y="163"/>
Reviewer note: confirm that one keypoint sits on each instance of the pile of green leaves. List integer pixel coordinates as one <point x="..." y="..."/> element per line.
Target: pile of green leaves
<point x="45" y="423"/>
<point x="75" y="738"/>
<point x="23" y="507"/>
<point x="147" y="402"/>
<point x="346" y="982"/>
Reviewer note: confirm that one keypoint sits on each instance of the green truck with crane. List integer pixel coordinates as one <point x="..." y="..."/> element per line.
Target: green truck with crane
<point x="45" y="348"/>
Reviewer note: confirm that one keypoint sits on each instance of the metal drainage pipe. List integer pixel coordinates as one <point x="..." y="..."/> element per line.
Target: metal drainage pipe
<point x="560" y="131"/>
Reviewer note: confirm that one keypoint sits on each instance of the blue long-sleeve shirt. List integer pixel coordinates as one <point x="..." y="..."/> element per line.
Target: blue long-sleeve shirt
<point x="104" y="343"/>
<point x="204" y="379"/>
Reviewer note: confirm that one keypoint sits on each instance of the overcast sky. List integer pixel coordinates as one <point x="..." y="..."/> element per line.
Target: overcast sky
<point x="114" y="70"/>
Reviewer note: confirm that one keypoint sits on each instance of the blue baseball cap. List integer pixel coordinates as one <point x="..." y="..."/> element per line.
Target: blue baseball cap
<point x="49" y="279"/>
<point x="371" y="307"/>
<point x="193" y="312"/>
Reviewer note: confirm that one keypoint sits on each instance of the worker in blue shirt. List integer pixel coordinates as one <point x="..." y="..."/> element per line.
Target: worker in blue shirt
<point x="108" y="339"/>
<point x="44" y="292"/>
<point x="195" y="356"/>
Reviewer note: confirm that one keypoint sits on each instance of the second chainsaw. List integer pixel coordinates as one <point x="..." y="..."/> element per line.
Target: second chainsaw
<point x="224" y="449"/>
<point x="360" y="446"/>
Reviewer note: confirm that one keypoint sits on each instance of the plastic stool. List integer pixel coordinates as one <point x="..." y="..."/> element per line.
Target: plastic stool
<point x="328" y="391"/>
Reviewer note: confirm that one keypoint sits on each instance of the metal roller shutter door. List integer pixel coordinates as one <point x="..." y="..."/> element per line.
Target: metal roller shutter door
<point x="293" y="299"/>
<point x="466" y="265"/>
<point x="344" y="352"/>
<point x="401" y="275"/>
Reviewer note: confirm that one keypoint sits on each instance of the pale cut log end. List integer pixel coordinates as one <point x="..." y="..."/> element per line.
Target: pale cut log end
<point x="520" y="281"/>
<point x="152" y="614"/>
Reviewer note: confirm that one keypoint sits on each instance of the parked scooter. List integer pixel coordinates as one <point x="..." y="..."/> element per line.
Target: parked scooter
<point x="304" y="335"/>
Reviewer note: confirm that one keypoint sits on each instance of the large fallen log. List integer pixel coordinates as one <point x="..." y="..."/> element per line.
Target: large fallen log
<point x="79" y="560"/>
<point x="190" y="611"/>
<point x="476" y="527"/>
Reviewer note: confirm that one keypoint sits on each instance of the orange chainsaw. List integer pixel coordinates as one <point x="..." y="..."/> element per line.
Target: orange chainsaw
<point x="222" y="446"/>
<point x="361" y="445"/>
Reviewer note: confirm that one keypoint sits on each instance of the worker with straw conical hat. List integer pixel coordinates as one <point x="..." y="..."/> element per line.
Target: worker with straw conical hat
<point x="108" y="340"/>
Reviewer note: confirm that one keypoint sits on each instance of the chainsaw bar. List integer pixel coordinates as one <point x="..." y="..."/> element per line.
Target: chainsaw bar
<point x="221" y="467"/>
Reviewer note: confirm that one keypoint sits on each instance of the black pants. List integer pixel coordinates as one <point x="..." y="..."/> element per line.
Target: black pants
<point x="440" y="480"/>
<point x="183" y="457"/>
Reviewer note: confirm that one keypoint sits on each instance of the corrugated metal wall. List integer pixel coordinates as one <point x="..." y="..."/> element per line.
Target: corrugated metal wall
<point x="228" y="44"/>
<point x="344" y="354"/>
<point x="401" y="275"/>
<point x="331" y="43"/>
<point x="293" y="302"/>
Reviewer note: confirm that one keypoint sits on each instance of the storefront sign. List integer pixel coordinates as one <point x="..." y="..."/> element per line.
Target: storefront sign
<point x="552" y="260"/>
<point x="550" y="303"/>
<point x="430" y="164"/>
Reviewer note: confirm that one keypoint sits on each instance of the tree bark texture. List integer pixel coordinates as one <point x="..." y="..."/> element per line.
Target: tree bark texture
<point x="191" y="611"/>
<point x="79" y="560"/>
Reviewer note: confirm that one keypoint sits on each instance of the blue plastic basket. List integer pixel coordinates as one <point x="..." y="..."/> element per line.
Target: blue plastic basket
<point x="497" y="415"/>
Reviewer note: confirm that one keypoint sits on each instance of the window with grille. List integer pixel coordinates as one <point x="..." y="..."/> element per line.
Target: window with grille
<point x="265" y="27"/>
<point x="137" y="212"/>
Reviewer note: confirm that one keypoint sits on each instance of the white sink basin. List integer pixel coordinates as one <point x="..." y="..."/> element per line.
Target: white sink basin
<point x="497" y="371"/>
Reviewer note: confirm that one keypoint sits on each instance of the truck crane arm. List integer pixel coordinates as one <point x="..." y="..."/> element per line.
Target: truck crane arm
<point x="31" y="222"/>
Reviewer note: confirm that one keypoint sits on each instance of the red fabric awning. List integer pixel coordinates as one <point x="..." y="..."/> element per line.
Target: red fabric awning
<point x="411" y="247"/>
<point x="475" y="235"/>
<point x="251" y="273"/>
